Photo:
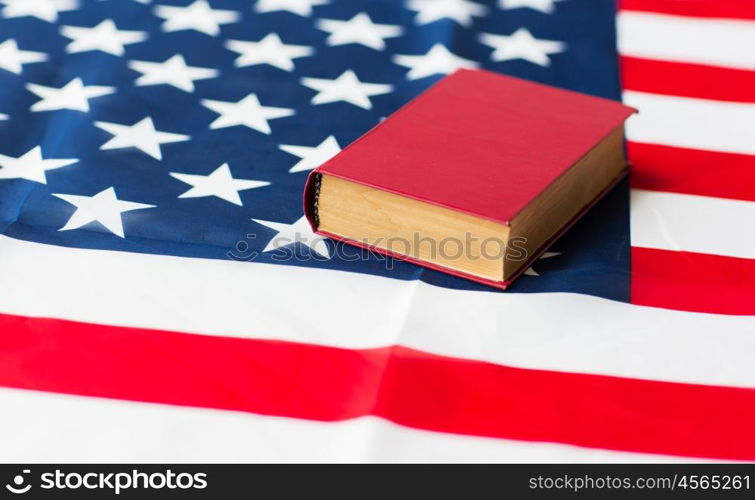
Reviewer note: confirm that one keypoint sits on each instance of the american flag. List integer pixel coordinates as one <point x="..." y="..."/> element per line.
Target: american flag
<point x="152" y="158"/>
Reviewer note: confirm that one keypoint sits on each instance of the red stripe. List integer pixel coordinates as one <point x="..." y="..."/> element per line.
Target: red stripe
<point x="408" y="387"/>
<point x="679" y="170"/>
<point x="735" y="9"/>
<point x="693" y="282"/>
<point x="687" y="80"/>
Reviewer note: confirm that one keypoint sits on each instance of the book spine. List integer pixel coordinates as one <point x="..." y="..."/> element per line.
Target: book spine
<point x="311" y="198"/>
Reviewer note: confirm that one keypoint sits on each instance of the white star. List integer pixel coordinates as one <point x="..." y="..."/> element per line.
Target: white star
<point x="521" y="45"/>
<point x="312" y="157"/>
<point x="219" y="183"/>
<point x="173" y="71"/>
<point x="300" y="7"/>
<point x="347" y="88"/>
<point x="247" y="112"/>
<point x="4" y="116"/>
<point x="547" y="255"/>
<point x="104" y="207"/>
<point x="270" y="50"/>
<point x="197" y="16"/>
<point x="298" y="232"/>
<point x="105" y="37"/>
<point x="359" y="29"/>
<point x="47" y="10"/>
<point x="11" y="58"/>
<point x="546" y="6"/>
<point x="460" y="11"/>
<point x="437" y="60"/>
<point x="30" y="166"/>
<point x="74" y="95"/>
<point x="141" y="135"/>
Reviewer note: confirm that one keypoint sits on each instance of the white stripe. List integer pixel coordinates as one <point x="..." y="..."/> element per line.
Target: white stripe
<point x="51" y="428"/>
<point x="671" y="221"/>
<point x="558" y="331"/>
<point x="716" y="42"/>
<point x="691" y="123"/>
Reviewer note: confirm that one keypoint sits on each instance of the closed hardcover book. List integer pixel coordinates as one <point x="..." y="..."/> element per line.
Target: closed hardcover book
<point x="476" y="177"/>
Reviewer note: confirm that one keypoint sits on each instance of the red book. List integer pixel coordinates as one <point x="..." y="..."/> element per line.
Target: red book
<point x="477" y="155"/>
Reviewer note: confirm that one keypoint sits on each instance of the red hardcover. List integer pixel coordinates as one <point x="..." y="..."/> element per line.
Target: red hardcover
<point x="477" y="142"/>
